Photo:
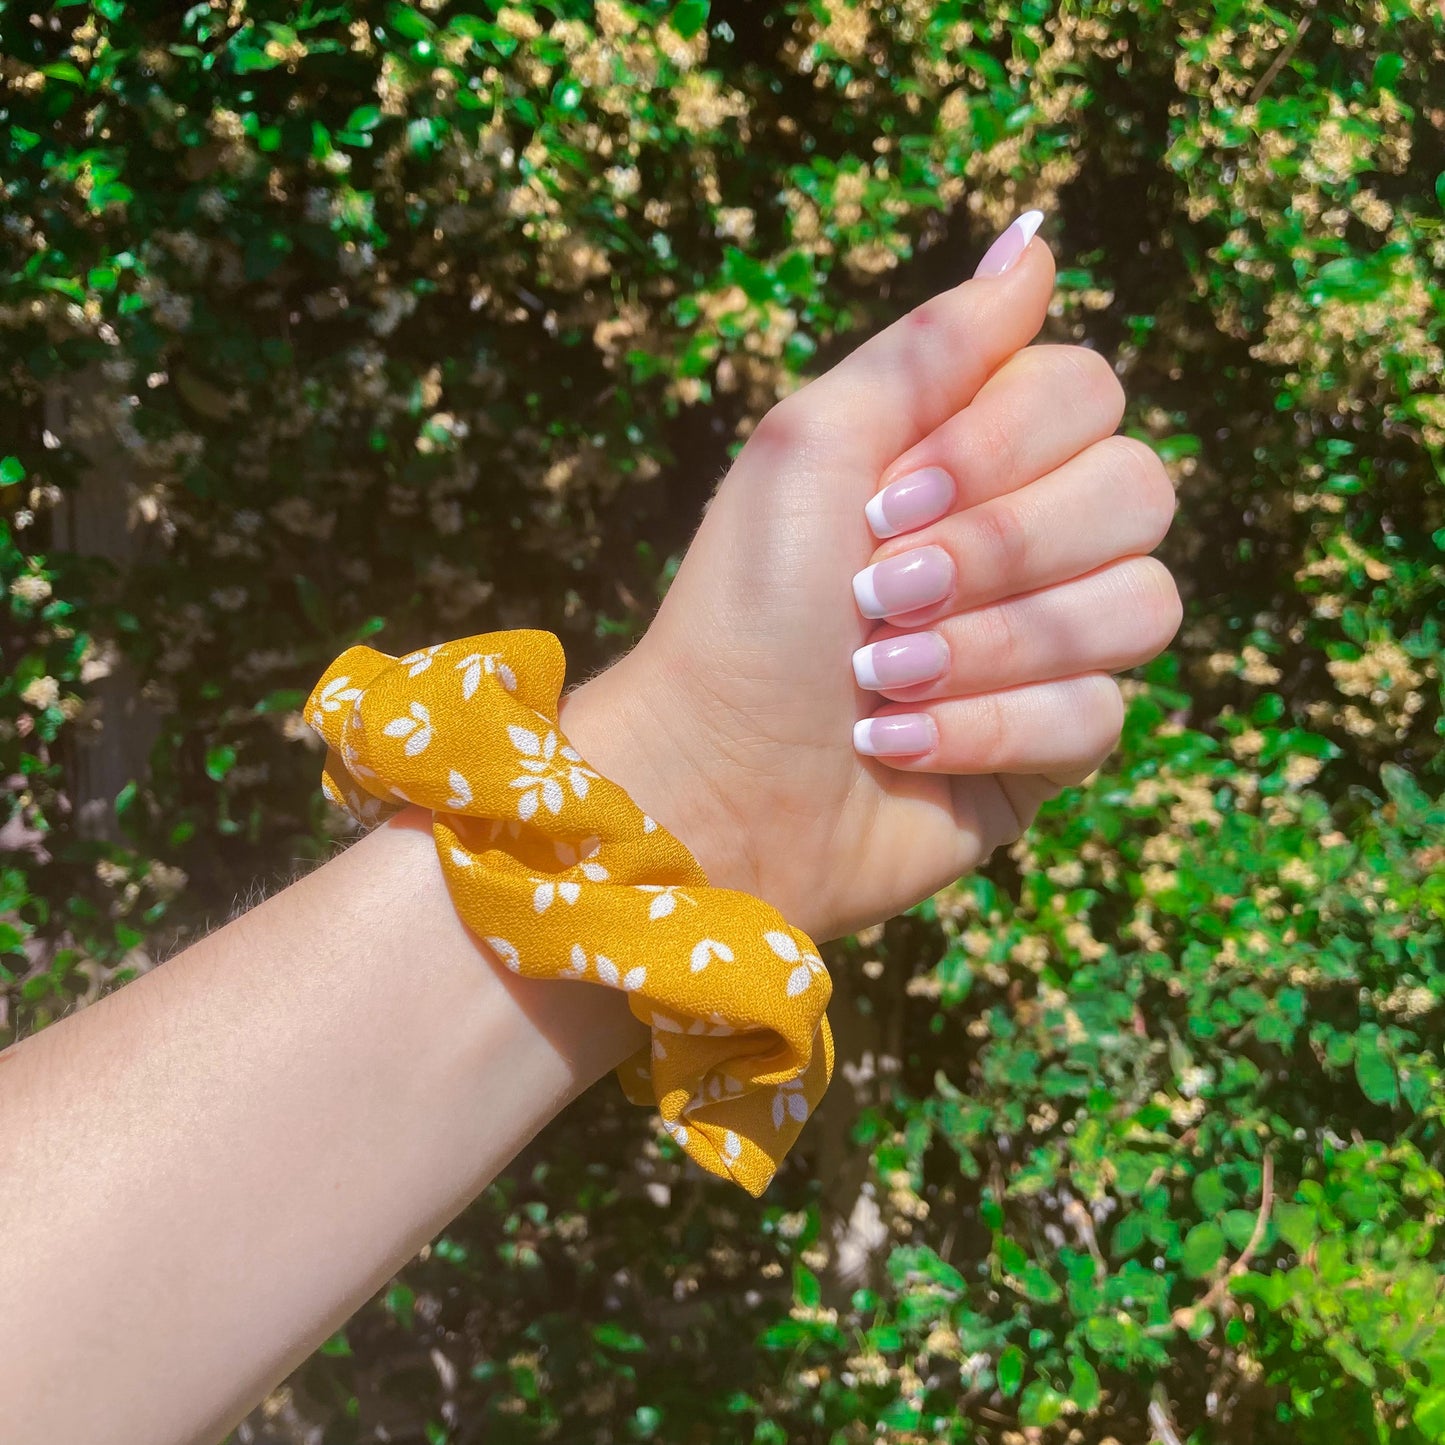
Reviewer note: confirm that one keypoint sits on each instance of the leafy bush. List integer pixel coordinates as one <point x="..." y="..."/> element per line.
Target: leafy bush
<point x="389" y="319"/>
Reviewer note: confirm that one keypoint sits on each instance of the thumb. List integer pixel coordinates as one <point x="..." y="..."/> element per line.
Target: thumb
<point x="913" y="376"/>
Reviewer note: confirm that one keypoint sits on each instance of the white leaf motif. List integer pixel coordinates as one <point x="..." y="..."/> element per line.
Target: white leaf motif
<point x="507" y="952"/>
<point x="704" y="952"/>
<point x="662" y="905"/>
<point x="634" y="978"/>
<point x="799" y="980"/>
<point x="783" y="945"/>
<point x="461" y="791"/>
<point x="525" y="741"/>
<point x="337" y="692"/>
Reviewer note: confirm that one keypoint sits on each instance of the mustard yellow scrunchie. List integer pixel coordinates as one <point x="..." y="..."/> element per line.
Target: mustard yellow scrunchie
<point x="563" y="876"/>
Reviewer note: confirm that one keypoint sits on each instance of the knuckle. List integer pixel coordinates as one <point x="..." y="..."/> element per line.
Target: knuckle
<point x="991" y="731"/>
<point x="1157" y="599"/>
<point x="991" y="450"/>
<point x="993" y="642"/>
<point x="1146" y="480"/>
<point x="1093" y="380"/>
<point x="789" y="424"/>
<point x="1000" y="533"/>
<point x="1104" y="713"/>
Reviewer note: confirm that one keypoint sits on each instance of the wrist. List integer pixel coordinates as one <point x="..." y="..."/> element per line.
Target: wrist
<point x="631" y="724"/>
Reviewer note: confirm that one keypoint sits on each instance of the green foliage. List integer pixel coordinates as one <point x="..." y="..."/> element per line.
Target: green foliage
<point x="386" y="319"/>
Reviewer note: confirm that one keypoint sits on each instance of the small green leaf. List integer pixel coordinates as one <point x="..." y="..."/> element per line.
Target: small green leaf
<point x="1084" y="1389"/>
<point x="219" y="762"/>
<point x="408" y="23"/>
<point x="1203" y="1249"/>
<point x="1041" y="1405"/>
<point x="614" y="1337"/>
<point x="1011" y="1370"/>
<point x="11" y="471"/>
<point x="63" y="70"/>
<point x="364" y="118"/>
<point x="689" y="17"/>
<point x="1374" y="1071"/>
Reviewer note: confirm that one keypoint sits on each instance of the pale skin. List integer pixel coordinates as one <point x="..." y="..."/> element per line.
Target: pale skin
<point x="203" y="1175"/>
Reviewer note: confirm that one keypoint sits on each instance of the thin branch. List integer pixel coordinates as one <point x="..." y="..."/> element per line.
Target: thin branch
<point x="1261" y="1223"/>
<point x="1280" y="61"/>
<point x="1159" y="1420"/>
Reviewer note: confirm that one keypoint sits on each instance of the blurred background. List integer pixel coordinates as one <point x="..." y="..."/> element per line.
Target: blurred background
<point x="325" y="322"/>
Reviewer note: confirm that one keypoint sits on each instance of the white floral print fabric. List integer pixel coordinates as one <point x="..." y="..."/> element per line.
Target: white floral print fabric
<point x="562" y="876"/>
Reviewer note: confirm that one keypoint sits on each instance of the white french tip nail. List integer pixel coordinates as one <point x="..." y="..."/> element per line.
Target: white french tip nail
<point x="863" y="737"/>
<point x="865" y="594"/>
<point x="1028" y="224"/>
<point x="876" y="520"/>
<point x="864" y="670"/>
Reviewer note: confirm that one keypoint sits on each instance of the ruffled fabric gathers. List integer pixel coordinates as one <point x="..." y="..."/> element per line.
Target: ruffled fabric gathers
<point x="563" y="876"/>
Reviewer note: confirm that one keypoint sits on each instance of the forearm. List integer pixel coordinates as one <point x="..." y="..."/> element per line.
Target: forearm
<point x="203" y="1175"/>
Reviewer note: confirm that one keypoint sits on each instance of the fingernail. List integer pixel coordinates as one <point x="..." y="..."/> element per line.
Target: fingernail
<point x="912" y="501"/>
<point x="895" y="737"/>
<point x="1010" y="245"/>
<point x="901" y="661"/>
<point x="904" y="583"/>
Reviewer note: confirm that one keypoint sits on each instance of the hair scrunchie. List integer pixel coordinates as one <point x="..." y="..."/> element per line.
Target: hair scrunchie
<point x="563" y="876"/>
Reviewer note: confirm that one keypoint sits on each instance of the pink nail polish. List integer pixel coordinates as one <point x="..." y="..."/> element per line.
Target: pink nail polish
<point x="910" y="502"/>
<point x="904" y="735"/>
<point x="901" y="661"/>
<point x="904" y="583"/>
<point x="1010" y="245"/>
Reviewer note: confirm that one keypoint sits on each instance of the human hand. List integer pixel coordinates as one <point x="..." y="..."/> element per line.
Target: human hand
<point x="1008" y="597"/>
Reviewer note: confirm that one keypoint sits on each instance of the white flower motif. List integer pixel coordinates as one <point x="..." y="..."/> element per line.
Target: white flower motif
<point x="580" y="856"/>
<point x="417" y="663"/>
<point x="416" y="729"/>
<point x="788" y="1102"/>
<point x="507" y="952"/>
<point x="461" y="791"/>
<point x="336" y="692"/>
<point x="732" y="1147"/>
<point x="678" y="1131"/>
<point x="547" y="893"/>
<point x="543" y="763"/>
<point x="810" y="966"/>
<point x="666" y="900"/>
<point x="462" y="858"/>
<point x="363" y="812"/>
<point x="708" y="949"/>
<point x="607" y="971"/>
<point x="476" y="665"/>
